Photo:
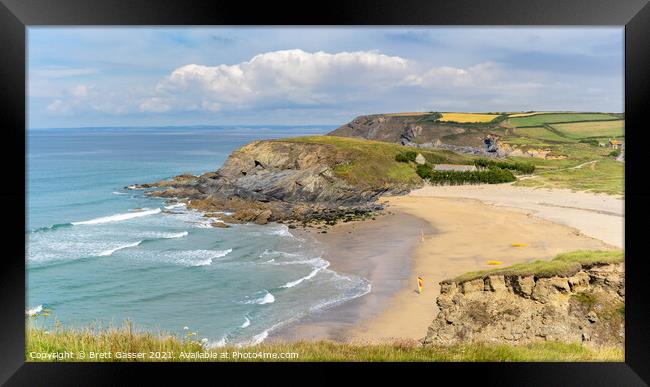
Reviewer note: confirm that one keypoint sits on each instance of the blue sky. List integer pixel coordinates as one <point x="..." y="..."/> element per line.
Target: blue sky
<point x="81" y="77"/>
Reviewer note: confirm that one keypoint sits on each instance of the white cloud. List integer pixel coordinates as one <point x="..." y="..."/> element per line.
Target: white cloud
<point x="288" y="76"/>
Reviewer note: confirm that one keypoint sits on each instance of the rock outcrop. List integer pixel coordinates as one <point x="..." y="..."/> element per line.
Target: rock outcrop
<point x="276" y="180"/>
<point x="587" y="306"/>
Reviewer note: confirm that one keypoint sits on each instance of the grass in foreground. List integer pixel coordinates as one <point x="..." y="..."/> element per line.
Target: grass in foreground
<point x="124" y="341"/>
<point x="563" y="265"/>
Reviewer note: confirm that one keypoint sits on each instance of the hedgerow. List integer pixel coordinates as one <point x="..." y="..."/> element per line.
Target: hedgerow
<point x="502" y="164"/>
<point x="492" y="175"/>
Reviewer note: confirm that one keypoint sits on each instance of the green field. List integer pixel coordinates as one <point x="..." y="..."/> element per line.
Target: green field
<point x="578" y="130"/>
<point x="540" y="119"/>
<point x="541" y="133"/>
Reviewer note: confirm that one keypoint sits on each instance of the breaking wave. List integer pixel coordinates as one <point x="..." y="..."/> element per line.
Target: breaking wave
<point x="308" y="276"/>
<point x="206" y="256"/>
<point x="246" y="323"/>
<point x="118" y="217"/>
<point x="268" y="298"/>
<point x="110" y="252"/>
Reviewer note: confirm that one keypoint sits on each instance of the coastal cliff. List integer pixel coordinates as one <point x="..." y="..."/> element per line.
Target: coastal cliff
<point x="576" y="298"/>
<point x="425" y="131"/>
<point x="302" y="179"/>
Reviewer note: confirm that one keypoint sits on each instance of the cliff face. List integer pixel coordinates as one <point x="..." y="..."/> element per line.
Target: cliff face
<point x="419" y="131"/>
<point x="587" y="306"/>
<point x="276" y="181"/>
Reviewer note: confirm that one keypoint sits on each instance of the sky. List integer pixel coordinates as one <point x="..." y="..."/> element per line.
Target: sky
<point x="93" y="77"/>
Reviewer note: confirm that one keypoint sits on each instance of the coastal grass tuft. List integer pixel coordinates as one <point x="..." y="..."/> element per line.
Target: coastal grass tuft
<point x="563" y="265"/>
<point x="592" y="257"/>
<point x="126" y="341"/>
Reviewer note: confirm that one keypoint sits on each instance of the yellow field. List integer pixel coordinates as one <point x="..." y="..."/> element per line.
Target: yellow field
<point x="468" y="117"/>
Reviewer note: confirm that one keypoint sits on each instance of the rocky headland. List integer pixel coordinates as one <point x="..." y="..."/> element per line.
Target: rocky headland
<point x="296" y="181"/>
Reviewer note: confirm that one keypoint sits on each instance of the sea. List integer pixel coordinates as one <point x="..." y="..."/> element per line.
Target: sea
<point x="99" y="254"/>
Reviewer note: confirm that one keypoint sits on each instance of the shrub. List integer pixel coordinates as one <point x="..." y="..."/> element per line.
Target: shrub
<point x="615" y="153"/>
<point x="424" y="171"/>
<point x="511" y="165"/>
<point x="405" y="157"/>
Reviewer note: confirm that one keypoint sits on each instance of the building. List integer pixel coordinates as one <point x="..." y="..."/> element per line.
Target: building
<point x="615" y="144"/>
<point x="454" y="167"/>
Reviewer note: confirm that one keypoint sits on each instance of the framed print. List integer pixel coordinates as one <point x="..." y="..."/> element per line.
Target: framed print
<point x="428" y="188"/>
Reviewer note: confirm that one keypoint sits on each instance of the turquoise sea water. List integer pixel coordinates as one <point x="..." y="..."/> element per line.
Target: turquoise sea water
<point x="100" y="254"/>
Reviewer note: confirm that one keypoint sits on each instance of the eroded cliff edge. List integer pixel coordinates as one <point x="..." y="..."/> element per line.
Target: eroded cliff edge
<point x="577" y="298"/>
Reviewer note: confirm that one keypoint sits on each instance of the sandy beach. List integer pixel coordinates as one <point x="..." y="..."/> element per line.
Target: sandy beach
<point x="439" y="233"/>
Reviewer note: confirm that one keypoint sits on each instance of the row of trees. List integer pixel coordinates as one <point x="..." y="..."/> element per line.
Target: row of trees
<point x="493" y="175"/>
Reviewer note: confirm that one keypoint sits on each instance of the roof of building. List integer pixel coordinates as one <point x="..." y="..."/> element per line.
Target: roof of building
<point x="615" y="142"/>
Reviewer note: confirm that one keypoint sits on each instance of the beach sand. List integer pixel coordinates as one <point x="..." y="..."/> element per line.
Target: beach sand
<point x="442" y="232"/>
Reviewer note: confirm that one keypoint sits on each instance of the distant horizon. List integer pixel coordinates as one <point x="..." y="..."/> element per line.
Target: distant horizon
<point x="234" y="125"/>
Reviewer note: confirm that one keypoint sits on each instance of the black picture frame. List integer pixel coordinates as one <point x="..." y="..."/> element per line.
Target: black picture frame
<point x="17" y="15"/>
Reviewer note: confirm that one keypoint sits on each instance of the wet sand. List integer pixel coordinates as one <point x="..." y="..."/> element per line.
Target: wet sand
<point x="379" y="250"/>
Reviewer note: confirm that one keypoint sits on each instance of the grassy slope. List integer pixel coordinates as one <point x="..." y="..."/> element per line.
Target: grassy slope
<point x="372" y="163"/>
<point x="562" y="265"/>
<point x="123" y="340"/>
<point x="603" y="176"/>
